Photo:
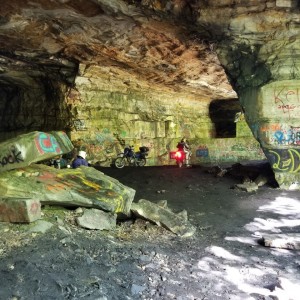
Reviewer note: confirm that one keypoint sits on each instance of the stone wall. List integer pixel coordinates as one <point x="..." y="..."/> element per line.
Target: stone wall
<point x="110" y="113"/>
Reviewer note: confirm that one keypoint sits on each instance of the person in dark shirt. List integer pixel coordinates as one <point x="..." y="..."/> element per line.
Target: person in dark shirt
<point x="80" y="160"/>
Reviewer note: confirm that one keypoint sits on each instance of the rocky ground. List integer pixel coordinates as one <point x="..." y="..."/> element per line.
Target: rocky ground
<point x="139" y="260"/>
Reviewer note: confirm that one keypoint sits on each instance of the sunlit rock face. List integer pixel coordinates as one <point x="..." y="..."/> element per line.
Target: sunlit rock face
<point x="146" y="72"/>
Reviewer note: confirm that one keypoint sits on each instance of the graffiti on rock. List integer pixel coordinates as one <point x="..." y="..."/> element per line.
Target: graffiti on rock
<point x="80" y="125"/>
<point x="47" y="143"/>
<point x="287" y="137"/>
<point x="13" y="156"/>
<point x="202" y="151"/>
<point x="277" y="134"/>
<point x="284" y="160"/>
<point x="287" y="100"/>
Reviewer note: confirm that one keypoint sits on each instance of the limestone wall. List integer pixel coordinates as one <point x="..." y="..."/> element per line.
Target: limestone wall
<point x="110" y="113"/>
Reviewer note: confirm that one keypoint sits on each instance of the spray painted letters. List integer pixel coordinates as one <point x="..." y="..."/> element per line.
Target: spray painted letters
<point x="13" y="156"/>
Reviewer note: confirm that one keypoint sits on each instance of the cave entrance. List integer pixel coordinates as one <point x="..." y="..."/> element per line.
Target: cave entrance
<point x="222" y="113"/>
<point x="33" y="95"/>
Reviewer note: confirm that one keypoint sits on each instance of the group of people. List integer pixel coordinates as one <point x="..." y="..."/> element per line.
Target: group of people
<point x="80" y="159"/>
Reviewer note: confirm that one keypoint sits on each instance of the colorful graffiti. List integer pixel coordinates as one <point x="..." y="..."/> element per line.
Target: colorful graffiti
<point x="202" y="151"/>
<point x="276" y="134"/>
<point x="284" y="160"/>
<point x="47" y="143"/>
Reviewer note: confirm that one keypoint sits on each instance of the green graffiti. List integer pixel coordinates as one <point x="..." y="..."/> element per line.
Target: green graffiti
<point x="290" y="163"/>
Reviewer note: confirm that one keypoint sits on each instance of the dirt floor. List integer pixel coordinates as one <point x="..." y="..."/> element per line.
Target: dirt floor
<point x="139" y="260"/>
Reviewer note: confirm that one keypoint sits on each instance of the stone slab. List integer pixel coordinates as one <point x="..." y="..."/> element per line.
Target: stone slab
<point x="97" y="219"/>
<point x="177" y="223"/>
<point x="19" y="210"/>
<point x="32" y="147"/>
<point x="289" y="241"/>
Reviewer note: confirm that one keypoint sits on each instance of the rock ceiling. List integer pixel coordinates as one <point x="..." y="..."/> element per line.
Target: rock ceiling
<point x="163" y="44"/>
<point x="150" y="43"/>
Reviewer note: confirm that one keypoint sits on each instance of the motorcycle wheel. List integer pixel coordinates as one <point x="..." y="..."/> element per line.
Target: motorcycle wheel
<point x="120" y="162"/>
<point x="141" y="162"/>
<point x="180" y="164"/>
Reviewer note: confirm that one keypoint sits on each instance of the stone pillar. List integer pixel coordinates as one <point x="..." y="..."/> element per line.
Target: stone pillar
<point x="273" y="112"/>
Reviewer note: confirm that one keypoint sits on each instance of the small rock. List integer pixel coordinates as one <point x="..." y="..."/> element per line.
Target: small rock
<point x="136" y="289"/>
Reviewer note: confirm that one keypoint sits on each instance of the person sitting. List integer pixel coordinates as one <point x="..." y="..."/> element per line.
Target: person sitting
<point x="80" y="160"/>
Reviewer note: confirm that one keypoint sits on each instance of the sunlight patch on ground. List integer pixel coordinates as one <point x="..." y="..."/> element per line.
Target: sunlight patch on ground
<point x="272" y="225"/>
<point x="251" y="275"/>
<point x="248" y="277"/>
<point x="241" y="239"/>
<point x="241" y="273"/>
<point x="222" y="253"/>
<point x="283" y="206"/>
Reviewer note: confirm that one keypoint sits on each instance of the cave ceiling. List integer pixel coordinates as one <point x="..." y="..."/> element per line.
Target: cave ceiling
<point x="149" y="45"/>
<point x="210" y="49"/>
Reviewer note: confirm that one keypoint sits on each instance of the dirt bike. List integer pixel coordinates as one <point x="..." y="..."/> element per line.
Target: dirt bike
<point x="180" y="157"/>
<point x="131" y="158"/>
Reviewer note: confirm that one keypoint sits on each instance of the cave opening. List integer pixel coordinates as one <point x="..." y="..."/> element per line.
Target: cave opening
<point x="34" y="99"/>
<point x="222" y="114"/>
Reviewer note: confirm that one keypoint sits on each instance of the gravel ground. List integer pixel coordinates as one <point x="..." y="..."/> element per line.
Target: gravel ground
<point x="139" y="260"/>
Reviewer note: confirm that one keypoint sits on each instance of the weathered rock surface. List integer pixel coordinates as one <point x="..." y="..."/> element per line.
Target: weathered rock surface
<point x="162" y="216"/>
<point x="97" y="219"/>
<point x="84" y="186"/>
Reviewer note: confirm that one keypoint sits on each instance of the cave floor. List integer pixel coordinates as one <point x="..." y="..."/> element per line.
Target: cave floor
<point x="139" y="260"/>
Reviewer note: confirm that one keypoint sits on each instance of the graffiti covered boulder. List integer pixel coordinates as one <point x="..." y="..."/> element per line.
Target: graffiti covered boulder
<point x="81" y="187"/>
<point x="33" y="147"/>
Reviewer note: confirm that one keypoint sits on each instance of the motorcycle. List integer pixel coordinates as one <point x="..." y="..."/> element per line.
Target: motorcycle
<point x="131" y="158"/>
<point x="180" y="157"/>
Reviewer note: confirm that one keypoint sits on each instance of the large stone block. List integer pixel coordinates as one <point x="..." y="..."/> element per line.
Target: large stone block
<point x="84" y="186"/>
<point x="19" y="210"/>
<point x="32" y="147"/>
<point x="286" y="3"/>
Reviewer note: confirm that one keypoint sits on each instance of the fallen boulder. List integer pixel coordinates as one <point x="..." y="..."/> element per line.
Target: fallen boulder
<point x="33" y="147"/>
<point x="162" y="216"/>
<point x="84" y="186"/>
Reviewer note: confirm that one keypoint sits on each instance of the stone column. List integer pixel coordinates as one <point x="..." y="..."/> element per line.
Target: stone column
<point x="273" y="112"/>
